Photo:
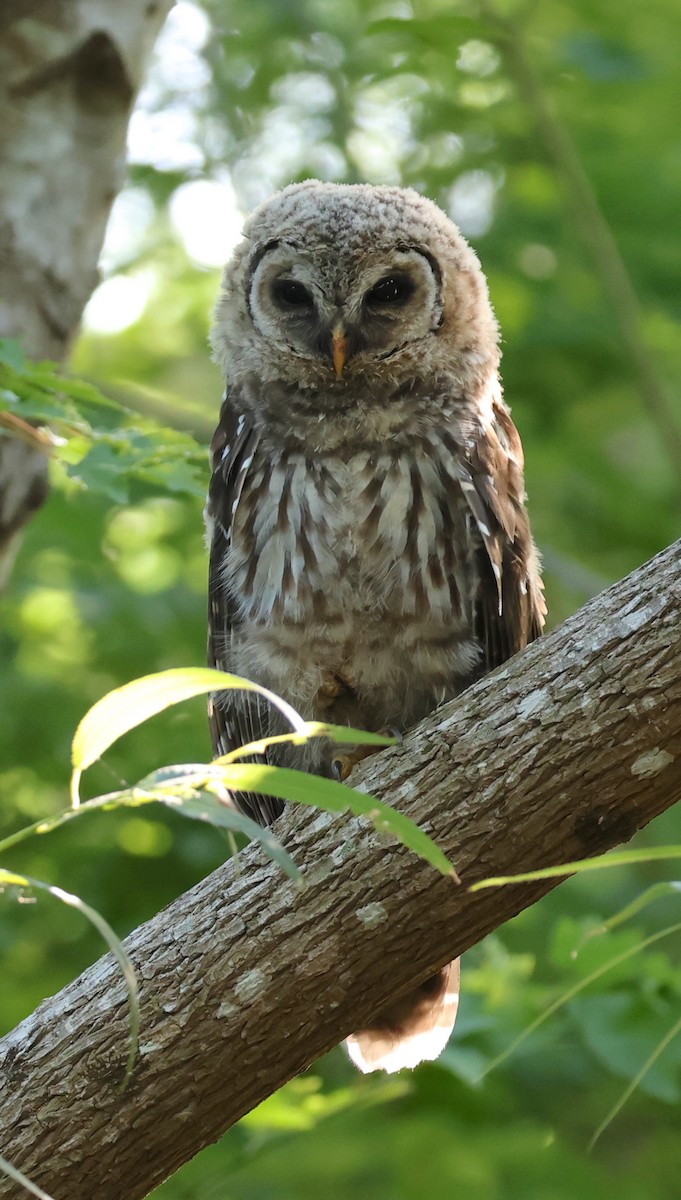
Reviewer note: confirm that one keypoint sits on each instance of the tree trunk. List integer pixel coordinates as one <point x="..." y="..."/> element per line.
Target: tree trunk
<point x="69" y="74"/>
<point x="564" y="752"/>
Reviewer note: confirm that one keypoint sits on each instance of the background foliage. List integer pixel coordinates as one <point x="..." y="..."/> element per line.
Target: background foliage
<point x="550" y="132"/>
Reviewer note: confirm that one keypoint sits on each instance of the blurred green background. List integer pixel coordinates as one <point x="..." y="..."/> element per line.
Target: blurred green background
<point x="551" y="133"/>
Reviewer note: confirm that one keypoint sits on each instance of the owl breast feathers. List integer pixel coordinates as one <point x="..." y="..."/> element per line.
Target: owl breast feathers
<point x="371" y="554"/>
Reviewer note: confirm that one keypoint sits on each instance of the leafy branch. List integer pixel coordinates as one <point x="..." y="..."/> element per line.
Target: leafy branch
<point x="97" y="443"/>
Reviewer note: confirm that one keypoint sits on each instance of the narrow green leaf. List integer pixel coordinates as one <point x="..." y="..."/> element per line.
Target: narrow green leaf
<point x="298" y="787"/>
<point x="114" y="943"/>
<point x="130" y="705"/>
<point x="184" y="789"/>
<point x="345" y="735"/>
<point x="302" y="788"/>
<point x="342" y="734"/>
<point x="619" y="858"/>
<point x="100" y="471"/>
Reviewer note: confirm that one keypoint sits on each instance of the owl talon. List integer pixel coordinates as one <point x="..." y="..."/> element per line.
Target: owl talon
<point x="342" y="764"/>
<point x="333" y="686"/>
<point x="329" y="691"/>
<point x="341" y="767"/>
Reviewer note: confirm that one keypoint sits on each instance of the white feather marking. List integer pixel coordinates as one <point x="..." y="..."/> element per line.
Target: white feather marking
<point x="409" y="1052"/>
<point x="299" y="492"/>
<point x="267" y="584"/>
<point x="266" y="514"/>
<point x="396" y="495"/>
<point x="315" y="506"/>
<point x="497" y="575"/>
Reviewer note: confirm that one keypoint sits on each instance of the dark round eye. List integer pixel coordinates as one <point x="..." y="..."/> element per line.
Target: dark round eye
<point x="392" y="289"/>
<point x="292" y="294"/>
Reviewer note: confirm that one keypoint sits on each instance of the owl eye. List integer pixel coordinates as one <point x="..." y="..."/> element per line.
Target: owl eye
<point x="392" y="289"/>
<point x="292" y="294"/>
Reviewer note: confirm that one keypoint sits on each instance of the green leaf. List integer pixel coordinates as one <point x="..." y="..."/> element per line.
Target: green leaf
<point x="343" y="734"/>
<point x="183" y="788"/>
<point x="299" y="1106"/>
<point x="88" y="395"/>
<point x="12" y="355"/>
<point x="302" y="788"/>
<point x="128" y="706"/>
<point x="175" y="473"/>
<point x="284" y="784"/>
<point x="100" y="470"/>
<point x="619" y="858"/>
<point x="10" y="878"/>
<point x="103" y="445"/>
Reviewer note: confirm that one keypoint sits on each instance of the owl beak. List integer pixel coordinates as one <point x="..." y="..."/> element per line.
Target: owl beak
<point x="339" y="348"/>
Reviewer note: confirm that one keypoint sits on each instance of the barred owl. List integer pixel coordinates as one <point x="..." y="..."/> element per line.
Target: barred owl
<point x="371" y="554"/>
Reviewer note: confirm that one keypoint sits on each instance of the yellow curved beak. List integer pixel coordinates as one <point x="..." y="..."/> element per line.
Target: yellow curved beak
<point x="339" y="349"/>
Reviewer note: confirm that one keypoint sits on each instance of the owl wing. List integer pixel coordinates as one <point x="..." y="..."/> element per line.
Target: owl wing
<point x="235" y="717"/>
<point x="509" y="606"/>
<point x="509" y="613"/>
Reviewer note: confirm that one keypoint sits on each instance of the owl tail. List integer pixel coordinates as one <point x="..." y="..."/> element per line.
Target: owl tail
<point x="415" y="1028"/>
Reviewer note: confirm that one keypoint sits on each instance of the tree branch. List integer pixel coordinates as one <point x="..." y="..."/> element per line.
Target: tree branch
<point x="245" y="980"/>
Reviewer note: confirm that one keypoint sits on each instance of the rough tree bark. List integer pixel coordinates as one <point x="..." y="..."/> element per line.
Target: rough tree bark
<point x="564" y="752"/>
<point x="69" y="75"/>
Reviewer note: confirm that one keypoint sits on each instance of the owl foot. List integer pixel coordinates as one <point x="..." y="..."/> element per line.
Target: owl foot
<point x="329" y="691"/>
<point x="342" y="764"/>
<point x="332" y="687"/>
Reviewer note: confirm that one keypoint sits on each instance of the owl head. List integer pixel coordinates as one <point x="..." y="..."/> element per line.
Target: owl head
<point x="352" y="293"/>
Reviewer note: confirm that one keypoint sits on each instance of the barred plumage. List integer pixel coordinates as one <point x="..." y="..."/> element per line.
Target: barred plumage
<point x="371" y="553"/>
